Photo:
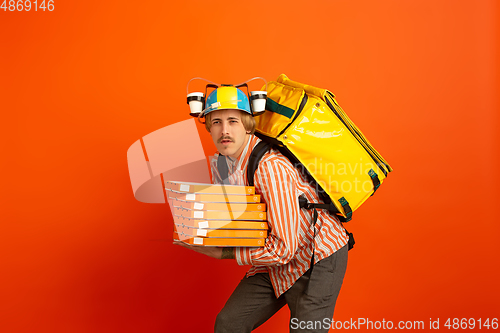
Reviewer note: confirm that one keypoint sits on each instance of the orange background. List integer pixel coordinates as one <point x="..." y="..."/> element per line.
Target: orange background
<point x="80" y="84"/>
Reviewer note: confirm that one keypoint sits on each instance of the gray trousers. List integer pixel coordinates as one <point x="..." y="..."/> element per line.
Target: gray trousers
<point x="311" y="299"/>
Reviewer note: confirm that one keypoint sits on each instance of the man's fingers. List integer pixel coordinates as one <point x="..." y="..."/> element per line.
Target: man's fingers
<point x="178" y="242"/>
<point x="188" y="246"/>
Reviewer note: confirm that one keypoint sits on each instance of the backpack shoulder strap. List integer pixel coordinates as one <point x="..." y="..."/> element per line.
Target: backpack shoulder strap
<point x="253" y="162"/>
<point x="222" y="168"/>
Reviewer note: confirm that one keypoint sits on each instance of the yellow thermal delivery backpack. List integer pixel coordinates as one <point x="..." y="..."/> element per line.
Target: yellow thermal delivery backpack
<point x="309" y="127"/>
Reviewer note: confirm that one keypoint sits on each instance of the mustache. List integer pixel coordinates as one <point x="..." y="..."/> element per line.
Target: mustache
<point x="225" y="138"/>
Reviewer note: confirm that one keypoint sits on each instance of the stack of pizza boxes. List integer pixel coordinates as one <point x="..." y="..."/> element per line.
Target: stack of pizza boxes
<point x="217" y="215"/>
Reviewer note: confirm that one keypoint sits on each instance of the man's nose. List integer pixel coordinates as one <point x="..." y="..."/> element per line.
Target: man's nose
<point x="225" y="128"/>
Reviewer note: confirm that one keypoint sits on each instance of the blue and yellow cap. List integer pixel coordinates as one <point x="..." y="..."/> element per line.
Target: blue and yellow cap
<point x="227" y="97"/>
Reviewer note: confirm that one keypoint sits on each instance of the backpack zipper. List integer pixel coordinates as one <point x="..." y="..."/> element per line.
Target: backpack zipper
<point x="297" y="113"/>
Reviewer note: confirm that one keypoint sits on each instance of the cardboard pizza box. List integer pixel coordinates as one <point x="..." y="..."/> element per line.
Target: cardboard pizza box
<point x="225" y="206"/>
<point x="187" y="187"/>
<point x="221" y="242"/>
<point x="218" y="214"/>
<point x="219" y="233"/>
<point x="218" y="224"/>
<point x="221" y="198"/>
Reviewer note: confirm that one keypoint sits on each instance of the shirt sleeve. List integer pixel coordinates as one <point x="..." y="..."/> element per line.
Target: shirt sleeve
<point x="275" y="181"/>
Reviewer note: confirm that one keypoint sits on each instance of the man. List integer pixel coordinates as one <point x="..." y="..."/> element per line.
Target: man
<point x="280" y="272"/>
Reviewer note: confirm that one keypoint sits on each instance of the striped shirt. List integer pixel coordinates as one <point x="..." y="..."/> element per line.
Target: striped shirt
<point x="287" y="252"/>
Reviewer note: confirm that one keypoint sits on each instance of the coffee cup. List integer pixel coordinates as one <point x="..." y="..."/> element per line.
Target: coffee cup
<point x="258" y="100"/>
<point x="196" y="101"/>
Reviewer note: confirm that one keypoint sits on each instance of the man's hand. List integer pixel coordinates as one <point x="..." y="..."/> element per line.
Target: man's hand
<point x="211" y="251"/>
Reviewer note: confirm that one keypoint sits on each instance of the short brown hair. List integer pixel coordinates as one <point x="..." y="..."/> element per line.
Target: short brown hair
<point x="246" y="118"/>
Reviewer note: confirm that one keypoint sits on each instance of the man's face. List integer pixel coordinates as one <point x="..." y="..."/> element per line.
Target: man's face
<point x="228" y="132"/>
